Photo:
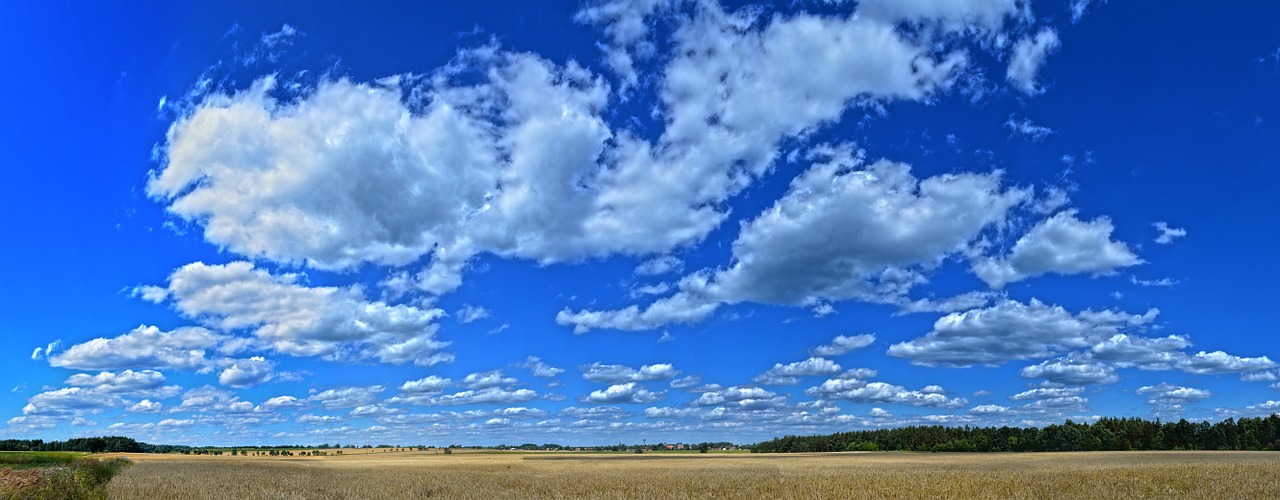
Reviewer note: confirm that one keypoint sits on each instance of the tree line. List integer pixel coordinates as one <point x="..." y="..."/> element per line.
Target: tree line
<point x="1109" y="434"/>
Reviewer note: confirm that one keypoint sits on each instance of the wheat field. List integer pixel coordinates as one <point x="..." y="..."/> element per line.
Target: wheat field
<point x="836" y="475"/>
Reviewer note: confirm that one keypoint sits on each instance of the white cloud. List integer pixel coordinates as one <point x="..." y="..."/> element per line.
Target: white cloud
<point x="210" y="399"/>
<point x="431" y="384"/>
<point x="1011" y="330"/>
<point x="1143" y="352"/>
<point x="669" y="412"/>
<point x="1028" y="55"/>
<point x="1072" y="371"/>
<point x="128" y="382"/>
<point x="986" y="410"/>
<point x="843" y="344"/>
<point x="492" y="395"/>
<point x="658" y="266"/>
<point x="521" y="163"/>
<point x="146" y="406"/>
<point x="143" y="347"/>
<point x="1208" y="363"/>
<point x="347" y="397"/>
<point x="797" y="252"/>
<point x="619" y="374"/>
<point x="541" y="369"/>
<point x="281" y="402"/>
<point x="629" y="392"/>
<point x="469" y="314"/>
<point x="1026" y="128"/>
<point x="1047" y="393"/>
<point x="291" y="318"/>
<point x="485" y="380"/>
<point x="1060" y="244"/>
<point x="746" y="398"/>
<point x="1266" y="408"/>
<point x="1078" y="8"/>
<point x="45" y="352"/>
<point x="1168" y="234"/>
<point x="861" y="391"/>
<point x="70" y="401"/>
<point x="789" y="374"/>
<point x="246" y="373"/>
<point x="1168" y="394"/>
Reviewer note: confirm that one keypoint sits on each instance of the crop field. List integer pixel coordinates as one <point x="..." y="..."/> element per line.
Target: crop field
<point x="833" y="475"/>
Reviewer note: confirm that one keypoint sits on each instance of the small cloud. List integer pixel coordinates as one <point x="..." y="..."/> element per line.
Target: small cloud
<point x="823" y="310"/>
<point x="1168" y="234"/>
<point x="666" y="337"/>
<point x="1026" y="128"/>
<point x="470" y="313"/>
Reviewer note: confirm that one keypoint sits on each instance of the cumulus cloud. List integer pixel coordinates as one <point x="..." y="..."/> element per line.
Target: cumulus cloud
<point x="1144" y="352"/>
<point x="70" y="401"/>
<point x="492" y="395"/>
<point x="790" y="374"/>
<point x="738" y="397"/>
<point x="541" y="369"/>
<point x="1047" y="393"/>
<point x="347" y="397"/>
<point x="843" y="344"/>
<point x="292" y="318"/>
<point x="1060" y="244"/>
<point x="619" y="374"/>
<point x="144" y="383"/>
<point x="1072" y="371"/>
<point x="1208" y="363"/>
<point x="629" y="392"/>
<point x="1168" y="234"/>
<point x="431" y="384"/>
<point x="246" y="373"/>
<point x="862" y="391"/>
<point x="1012" y="330"/>
<point x="210" y="399"/>
<point x="798" y="251"/>
<point x="485" y="380"/>
<point x="144" y="347"/>
<point x="1168" y="394"/>
<point x="1028" y="55"/>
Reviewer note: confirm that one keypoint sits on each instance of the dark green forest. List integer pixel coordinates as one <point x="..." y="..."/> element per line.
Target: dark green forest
<point x="1110" y="434"/>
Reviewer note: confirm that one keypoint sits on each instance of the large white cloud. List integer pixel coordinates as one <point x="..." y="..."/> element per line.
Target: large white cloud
<point x="1012" y="330"/>
<point x="144" y="383"/>
<point x="144" y="347"/>
<point x="244" y="373"/>
<point x="292" y="318"/>
<point x="1060" y="244"/>
<point x="842" y="231"/>
<point x="521" y="163"/>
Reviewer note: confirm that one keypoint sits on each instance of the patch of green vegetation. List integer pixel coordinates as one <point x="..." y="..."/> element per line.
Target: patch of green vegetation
<point x="28" y="459"/>
<point x="72" y="476"/>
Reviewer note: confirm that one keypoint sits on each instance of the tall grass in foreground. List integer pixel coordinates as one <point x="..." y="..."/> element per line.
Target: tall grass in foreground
<point x="838" y="476"/>
<point x="54" y="476"/>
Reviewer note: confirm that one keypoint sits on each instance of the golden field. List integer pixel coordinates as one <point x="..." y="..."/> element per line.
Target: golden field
<point x="657" y="475"/>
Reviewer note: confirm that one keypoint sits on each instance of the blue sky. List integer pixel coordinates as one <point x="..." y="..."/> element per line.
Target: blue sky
<point x="613" y="221"/>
